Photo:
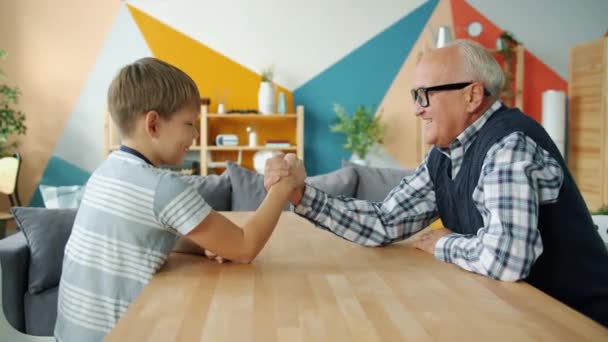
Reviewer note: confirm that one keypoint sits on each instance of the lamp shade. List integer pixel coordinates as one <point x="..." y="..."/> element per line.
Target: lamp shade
<point x="443" y="36"/>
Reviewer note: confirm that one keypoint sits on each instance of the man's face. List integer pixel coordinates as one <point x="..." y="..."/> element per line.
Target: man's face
<point x="446" y="115"/>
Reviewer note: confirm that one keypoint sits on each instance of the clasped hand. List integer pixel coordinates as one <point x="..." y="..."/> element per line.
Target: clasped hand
<point x="288" y="166"/>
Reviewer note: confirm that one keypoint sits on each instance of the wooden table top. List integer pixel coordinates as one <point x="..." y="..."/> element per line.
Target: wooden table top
<point x="309" y="285"/>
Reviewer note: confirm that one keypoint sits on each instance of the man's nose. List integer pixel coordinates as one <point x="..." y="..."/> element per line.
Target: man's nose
<point x="418" y="109"/>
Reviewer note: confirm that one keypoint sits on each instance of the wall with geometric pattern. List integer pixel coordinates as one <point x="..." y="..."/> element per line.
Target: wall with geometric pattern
<point x="323" y="52"/>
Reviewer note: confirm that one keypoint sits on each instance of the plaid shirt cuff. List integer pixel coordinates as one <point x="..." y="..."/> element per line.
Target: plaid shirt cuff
<point x="443" y="247"/>
<point x="311" y="203"/>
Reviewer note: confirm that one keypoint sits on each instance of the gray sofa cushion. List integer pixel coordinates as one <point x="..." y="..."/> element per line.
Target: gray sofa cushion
<point x="41" y="312"/>
<point x="14" y="257"/>
<point x="47" y="231"/>
<point x="216" y="190"/>
<point x="374" y="184"/>
<point x="340" y="182"/>
<point x="247" y="188"/>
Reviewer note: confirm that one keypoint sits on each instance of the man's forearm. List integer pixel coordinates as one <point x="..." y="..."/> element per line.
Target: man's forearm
<point x="363" y="222"/>
<point x="472" y="254"/>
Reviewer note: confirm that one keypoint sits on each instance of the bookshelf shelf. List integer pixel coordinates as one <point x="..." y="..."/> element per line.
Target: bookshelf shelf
<point x="273" y="128"/>
<point x="286" y="128"/>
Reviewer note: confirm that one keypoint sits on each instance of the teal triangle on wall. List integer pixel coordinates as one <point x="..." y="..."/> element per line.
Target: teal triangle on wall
<point x="59" y="172"/>
<point x="360" y="78"/>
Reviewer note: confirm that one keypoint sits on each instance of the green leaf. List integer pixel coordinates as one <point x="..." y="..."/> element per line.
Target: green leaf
<point x="12" y="121"/>
<point x="362" y="129"/>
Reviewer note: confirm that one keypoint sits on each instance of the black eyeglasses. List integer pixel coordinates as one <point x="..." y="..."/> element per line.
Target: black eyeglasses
<point x="421" y="95"/>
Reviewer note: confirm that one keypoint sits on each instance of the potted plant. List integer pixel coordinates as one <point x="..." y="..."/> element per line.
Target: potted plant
<point x="266" y="93"/>
<point x="505" y="46"/>
<point x="600" y="218"/>
<point x="362" y="130"/>
<point x="12" y="121"/>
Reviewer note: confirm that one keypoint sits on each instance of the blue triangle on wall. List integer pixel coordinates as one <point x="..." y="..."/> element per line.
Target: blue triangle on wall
<point x="360" y="78"/>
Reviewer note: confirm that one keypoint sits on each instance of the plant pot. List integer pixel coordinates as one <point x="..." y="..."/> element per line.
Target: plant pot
<point x="355" y="159"/>
<point x="266" y="98"/>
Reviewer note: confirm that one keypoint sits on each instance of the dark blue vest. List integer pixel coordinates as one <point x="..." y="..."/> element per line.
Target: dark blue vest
<point x="574" y="264"/>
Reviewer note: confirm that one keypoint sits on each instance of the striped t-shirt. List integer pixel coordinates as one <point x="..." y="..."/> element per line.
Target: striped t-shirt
<point x="130" y="217"/>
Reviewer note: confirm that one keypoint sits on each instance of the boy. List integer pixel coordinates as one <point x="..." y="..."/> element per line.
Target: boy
<point x="132" y="213"/>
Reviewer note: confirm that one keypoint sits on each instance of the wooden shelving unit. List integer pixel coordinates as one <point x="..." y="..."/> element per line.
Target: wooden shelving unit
<point x="588" y="120"/>
<point x="249" y="148"/>
<point x="287" y="127"/>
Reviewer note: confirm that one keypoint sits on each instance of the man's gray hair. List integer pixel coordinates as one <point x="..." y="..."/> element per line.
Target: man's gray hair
<point x="480" y="65"/>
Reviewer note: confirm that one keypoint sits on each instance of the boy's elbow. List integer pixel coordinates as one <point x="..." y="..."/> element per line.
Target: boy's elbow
<point x="246" y="257"/>
<point x="244" y="260"/>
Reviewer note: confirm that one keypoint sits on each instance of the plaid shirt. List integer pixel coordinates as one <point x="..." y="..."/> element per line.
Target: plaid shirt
<point x="517" y="176"/>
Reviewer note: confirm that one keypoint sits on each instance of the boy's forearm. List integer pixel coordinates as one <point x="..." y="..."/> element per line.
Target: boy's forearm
<point x="259" y="228"/>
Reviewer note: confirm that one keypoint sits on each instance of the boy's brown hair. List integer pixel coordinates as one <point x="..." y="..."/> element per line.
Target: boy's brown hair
<point x="149" y="84"/>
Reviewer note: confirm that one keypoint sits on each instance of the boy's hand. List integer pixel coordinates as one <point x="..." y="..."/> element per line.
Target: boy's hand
<point x="275" y="168"/>
<point x="297" y="172"/>
<point x="287" y="167"/>
<point x="212" y="256"/>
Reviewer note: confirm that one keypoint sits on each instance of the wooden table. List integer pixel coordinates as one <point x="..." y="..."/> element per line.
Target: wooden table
<point x="309" y="285"/>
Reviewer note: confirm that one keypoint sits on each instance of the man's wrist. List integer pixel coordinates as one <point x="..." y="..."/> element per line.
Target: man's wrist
<point x="440" y="251"/>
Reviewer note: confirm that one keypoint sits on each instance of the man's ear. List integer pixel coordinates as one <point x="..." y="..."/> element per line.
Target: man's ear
<point x="152" y="121"/>
<point x="474" y="97"/>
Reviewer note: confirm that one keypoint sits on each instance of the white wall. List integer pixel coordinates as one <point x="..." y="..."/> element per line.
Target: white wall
<point x="301" y="38"/>
<point x="84" y="131"/>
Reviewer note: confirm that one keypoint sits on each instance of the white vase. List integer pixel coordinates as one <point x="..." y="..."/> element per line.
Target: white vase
<point x="266" y="98"/>
<point x="355" y="159"/>
<point x="259" y="160"/>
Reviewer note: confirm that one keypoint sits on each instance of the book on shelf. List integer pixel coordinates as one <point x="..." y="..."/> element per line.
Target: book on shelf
<point x="277" y="143"/>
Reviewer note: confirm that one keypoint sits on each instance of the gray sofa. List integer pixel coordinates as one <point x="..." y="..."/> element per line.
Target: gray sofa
<point x="31" y="259"/>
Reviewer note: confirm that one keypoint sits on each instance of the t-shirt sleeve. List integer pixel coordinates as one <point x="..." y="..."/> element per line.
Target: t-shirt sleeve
<point x="178" y="205"/>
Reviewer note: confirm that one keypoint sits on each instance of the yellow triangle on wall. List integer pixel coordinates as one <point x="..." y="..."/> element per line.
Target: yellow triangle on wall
<point x="215" y="74"/>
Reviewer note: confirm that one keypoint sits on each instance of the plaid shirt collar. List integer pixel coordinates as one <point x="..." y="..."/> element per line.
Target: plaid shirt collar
<point x="464" y="140"/>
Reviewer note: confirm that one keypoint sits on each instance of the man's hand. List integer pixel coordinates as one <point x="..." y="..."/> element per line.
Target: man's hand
<point x="282" y="166"/>
<point x="428" y="240"/>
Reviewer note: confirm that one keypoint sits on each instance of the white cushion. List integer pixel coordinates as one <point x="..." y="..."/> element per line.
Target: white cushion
<point x="61" y="197"/>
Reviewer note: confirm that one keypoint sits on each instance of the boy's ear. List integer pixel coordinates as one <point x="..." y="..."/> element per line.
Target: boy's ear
<point x="152" y="120"/>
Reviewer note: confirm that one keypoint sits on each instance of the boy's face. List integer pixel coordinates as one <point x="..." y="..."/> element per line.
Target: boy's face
<point x="175" y="136"/>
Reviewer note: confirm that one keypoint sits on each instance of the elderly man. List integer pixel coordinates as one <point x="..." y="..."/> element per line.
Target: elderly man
<point x="494" y="177"/>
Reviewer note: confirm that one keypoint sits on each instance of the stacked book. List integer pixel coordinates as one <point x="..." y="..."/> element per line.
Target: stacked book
<point x="277" y="143"/>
